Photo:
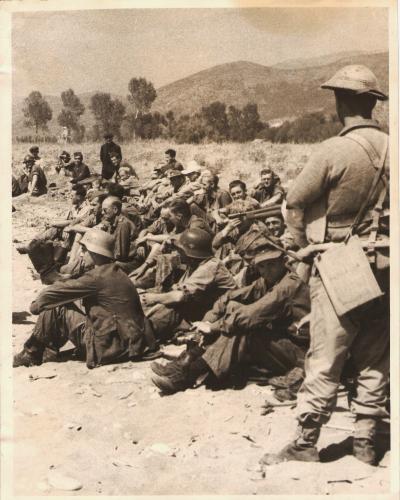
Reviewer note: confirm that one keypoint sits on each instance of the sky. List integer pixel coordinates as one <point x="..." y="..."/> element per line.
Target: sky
<point x="103" y="49"/>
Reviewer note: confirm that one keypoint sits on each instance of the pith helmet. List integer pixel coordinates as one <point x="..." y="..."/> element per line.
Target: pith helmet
<point x="355" y="78"/>
<point x="195" y="243"/>
<point x="100" y="242"/>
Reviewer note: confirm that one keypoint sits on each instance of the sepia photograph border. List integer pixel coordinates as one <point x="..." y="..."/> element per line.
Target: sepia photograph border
<point x="7" y="8"/>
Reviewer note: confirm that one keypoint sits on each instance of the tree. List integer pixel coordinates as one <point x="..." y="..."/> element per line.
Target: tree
<point x="71" y="113"/>
<point x="234" y="117"/>
<point x="141" y="95"/>
<point x="216" y="121"/>
<point x="37" y="111"/>
<point x="108" y="114"/>
<point x="250" y="122"/>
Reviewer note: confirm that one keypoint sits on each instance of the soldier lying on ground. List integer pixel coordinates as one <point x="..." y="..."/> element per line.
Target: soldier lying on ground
<point x="204" y="279"/>
<point x="113" y="327"/>
<point x="246" y="326"/>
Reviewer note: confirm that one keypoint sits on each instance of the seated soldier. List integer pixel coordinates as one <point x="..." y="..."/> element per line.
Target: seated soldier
<point x="170" y="162"/>
<point x="192" y="172"/>
<point x="113" y="327"/>
<point x="180" y="189"/>
<point x="79" y="210"/>
<point x="180" y="216"/>
<point x="64" y="163"/>
<point x="92" y="183"/>
<point x="127" y="180"/>
<point x="204" y="280"/>
<point x="242" y="202"/>
<point x="212" y="197"/>
<point x="117" y="163"/>
<point x="48" y="250"/>
<point x="248" y="326"/>
<point x="77" y="170"/>
<point x="33" y="179"/>
<point x="123" y="230"/>
<point x="269" y="191"/>
<point x="34" y="151"/>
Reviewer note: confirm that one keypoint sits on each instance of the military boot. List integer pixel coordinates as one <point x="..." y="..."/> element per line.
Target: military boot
<point x="302" y="449"/>
<point x="31" y="354"/>
<point x="364" y="439"/>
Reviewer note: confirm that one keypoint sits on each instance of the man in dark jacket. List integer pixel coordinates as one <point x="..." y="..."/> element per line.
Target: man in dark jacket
<point x="113" y="327"/>
<point x="247" y="326"/>
<point x="108" y="168"/>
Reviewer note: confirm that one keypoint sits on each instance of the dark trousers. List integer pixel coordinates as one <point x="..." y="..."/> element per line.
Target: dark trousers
<point x="54" y="327"/>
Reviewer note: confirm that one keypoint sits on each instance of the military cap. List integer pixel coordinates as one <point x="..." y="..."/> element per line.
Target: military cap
<point x="269" y="253"/>
<point x="355" y="78"/>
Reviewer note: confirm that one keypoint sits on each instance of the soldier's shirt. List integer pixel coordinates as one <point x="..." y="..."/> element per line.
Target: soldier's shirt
<point x="285" y="303"/>
<point x="41" y="183"/>
<point x="110" y="300"/>
<point x="172" y="164"/>
<point x="263" y="193"/>
<point x="124" y="232"/>
<point x="203" y="286"/>
<point x="78" y="172"/>
<point x="340" y="173"/>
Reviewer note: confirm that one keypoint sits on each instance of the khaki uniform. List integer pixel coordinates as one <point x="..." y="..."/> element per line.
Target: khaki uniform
<point x="329" y="192"/>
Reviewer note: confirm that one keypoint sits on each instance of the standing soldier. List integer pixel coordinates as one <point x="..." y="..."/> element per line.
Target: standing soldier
<point x="341" y="191"/>
<point x="108" y="168"/>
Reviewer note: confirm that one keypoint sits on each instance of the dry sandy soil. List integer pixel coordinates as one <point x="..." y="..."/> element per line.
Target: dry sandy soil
<point x="110" y="430"/>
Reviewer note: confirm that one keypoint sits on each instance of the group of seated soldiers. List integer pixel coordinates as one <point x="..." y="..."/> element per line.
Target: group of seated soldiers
<point x="135" y="265"/>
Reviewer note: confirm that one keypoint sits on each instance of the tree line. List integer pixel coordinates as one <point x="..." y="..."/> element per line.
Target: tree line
<point x="216" y="122"/>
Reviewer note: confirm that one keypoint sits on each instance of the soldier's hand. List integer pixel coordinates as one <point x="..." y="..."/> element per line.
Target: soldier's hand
<point x="203" y="327"/>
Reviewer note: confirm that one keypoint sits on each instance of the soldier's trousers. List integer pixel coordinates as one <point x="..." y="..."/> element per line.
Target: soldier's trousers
<point x="266" y="349"/>
<point x="364" y="336"/>
<point x="54" y="327"/>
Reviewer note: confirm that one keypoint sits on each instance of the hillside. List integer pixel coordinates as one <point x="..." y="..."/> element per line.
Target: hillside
<point x="279" y="92"/>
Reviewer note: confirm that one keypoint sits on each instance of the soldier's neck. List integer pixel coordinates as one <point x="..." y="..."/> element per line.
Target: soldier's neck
<point x="349" y="121"/>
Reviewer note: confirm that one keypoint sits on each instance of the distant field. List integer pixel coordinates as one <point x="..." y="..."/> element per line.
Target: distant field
<point x="229" y="160"/>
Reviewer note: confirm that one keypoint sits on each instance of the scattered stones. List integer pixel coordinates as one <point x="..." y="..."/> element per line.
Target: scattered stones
<point x="125" y="395"/>
<point x="163" y="449"/>
<point x="62" y="482"/>
<point x="131" y="404"/>
<point x="73" y="426"/>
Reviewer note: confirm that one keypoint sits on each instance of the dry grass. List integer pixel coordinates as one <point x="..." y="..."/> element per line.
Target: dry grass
<point x="229" y="160"/>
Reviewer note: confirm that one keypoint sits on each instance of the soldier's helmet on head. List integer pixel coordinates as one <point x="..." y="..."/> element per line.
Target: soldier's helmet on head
<point x="355" y="79"/>
<point x="195" y="243"/>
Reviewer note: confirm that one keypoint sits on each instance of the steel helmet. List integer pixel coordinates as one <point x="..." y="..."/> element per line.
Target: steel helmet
<point x="100" y="242"/>
<point x="29" y="159"/>
<point x="195" y="243"/>
<point x="356" y="78"/>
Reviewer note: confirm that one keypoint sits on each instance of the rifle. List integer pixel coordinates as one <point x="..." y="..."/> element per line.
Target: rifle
<point x="259" y="213"/>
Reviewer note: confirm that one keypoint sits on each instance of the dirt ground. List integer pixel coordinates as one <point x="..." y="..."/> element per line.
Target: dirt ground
<point x="110" y="430"/>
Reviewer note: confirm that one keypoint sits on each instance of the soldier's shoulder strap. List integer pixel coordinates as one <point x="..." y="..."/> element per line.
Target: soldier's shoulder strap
<point x="377" y="159"/>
